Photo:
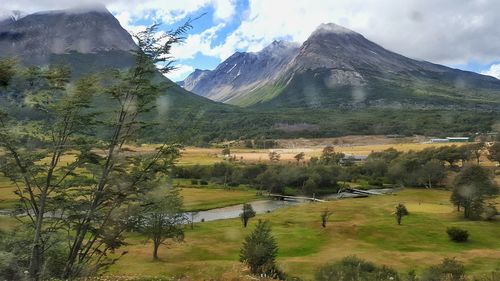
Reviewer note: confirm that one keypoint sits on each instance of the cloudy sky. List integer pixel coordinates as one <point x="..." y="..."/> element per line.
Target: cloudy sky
<point x="463" y="34"/>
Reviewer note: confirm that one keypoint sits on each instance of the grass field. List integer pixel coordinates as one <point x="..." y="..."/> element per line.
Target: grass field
<point x="363" y="227"/>
<point x="207" y="156"/>
<point x="196" y="198"/>
<point x="7" y="196"/>
<point x="200" y="199"/>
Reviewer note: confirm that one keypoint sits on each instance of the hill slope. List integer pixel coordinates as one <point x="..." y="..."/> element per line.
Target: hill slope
<point x="338" y="68"/>
<point x="90" y="40"/>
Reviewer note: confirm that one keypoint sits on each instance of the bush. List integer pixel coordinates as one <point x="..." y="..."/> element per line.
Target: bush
<point x="378" y="182"/>
<point x="457" y="234"/>
<point x="489" y="212"/>
<point x="353" y="268"/>
<point x="448" y="269"/>
<point x="203" y="182"/>
<point x="194" y="182"/>
<point x="259" y="251"/>
<point x="9" y="267"/>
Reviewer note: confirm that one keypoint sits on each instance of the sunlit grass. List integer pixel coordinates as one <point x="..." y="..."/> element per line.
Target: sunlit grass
<point x="196" y="199"/>
<point x="364" y="227"/>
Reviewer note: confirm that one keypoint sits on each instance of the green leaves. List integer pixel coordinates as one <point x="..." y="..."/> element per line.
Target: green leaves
<point x="472" y="185"/>
<point x="259" y="250"/>
<point x="247" y="213"/>
<point x="7" y="71"/>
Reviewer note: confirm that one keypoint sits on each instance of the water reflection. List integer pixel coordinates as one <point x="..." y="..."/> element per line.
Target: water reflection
<point x="230" y="212"/>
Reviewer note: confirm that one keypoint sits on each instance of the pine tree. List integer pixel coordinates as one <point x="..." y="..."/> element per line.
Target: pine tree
<point x="259" y="251"/>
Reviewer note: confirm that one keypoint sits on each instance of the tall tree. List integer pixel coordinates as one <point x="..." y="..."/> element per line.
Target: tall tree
<point x="161" y="217"/>
<point x="33" y="159"/>
<point x="477" y="150"/>
<point x="329" y="156"/>
<point x="494" y="152"/>
<point x="432" y="173"/>
<point x="120" y="179"/>
<point x="7" y="71"/>
<point x="299" y="157"/>
<point x="471" y="187"/>
<point x="70" y="179"/>
<point x="451" y="154"/>
<point x="246" y="214"/>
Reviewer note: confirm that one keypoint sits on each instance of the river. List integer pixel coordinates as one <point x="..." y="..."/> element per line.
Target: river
<point x="264" y="206"/>
<point x="260" y="207"/>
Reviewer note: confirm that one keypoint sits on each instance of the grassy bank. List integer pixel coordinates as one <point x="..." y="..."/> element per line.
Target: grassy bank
<point x="200" y="199"/>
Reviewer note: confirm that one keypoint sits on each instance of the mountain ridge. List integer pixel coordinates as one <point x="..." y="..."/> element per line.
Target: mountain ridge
<point x="337" y="67"/>
<point x="34" y="38"/>
<point x="241" y="72"/>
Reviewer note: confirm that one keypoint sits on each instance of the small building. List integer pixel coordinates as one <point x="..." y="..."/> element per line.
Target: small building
<point x="394" y="136"/>
<point x="440" y="140"/>
<point x="458" y="139"/>
<point x="350" y="159"/>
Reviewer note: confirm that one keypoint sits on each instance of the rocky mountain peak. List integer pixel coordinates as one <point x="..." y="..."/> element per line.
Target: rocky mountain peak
<point x="279" y="48"/>
<point x="331" y="28"/>
<point x="79" y="9"/>
<point x="82" y="29"/>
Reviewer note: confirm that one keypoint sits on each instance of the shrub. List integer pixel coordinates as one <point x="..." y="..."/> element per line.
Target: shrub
<point x="353" y="268"/>
<point x="259" y="251"/>
<point x="376" y="182"/>
<point x="203" y="182"/>
<point x="401" y="211"/>
<point x="490" y="212"/>
<point x="448" y="269"/>
<point x="9" y="267"/>
<point x="457" y="234"/>
<point x="194" y="182"/>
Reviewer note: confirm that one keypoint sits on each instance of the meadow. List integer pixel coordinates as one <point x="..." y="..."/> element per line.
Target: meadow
<point x="364" y="227"/>
<point x="311" y="148"/>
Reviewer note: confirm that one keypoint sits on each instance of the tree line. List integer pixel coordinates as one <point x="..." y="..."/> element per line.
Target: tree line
<point x="427" y="168"/>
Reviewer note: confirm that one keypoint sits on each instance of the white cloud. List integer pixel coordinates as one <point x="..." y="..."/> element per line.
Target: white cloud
<point x="180" y="72"/>
<point x="224" y="9"/>
<point x="445" y="31"/>
<point x="493" y="71"/>
<point x="451" y="32"/>
<point x="129" y="11"/>
<point x="197" y="43"/>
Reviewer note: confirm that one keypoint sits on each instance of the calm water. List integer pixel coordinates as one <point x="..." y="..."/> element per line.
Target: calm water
<point x="264" y="206"/>
<point x="230" y="212"/>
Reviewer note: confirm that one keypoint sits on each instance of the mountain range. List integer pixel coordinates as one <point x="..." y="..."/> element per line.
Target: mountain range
<point x="336" y="83"/>
<point x="88" y="39"/>
<point x="339" y="68"/>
